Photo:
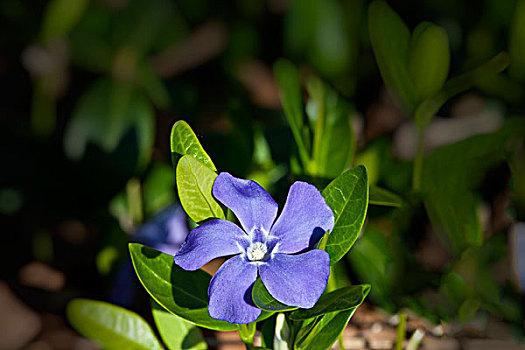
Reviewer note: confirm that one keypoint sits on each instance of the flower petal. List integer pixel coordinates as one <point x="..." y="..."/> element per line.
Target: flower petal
<point x="297" y="280"/>
<point x="252" y="205"/>
<point x="211" y="240"/>
<point x="304" y="219"/>
<point x="230" y="292"/>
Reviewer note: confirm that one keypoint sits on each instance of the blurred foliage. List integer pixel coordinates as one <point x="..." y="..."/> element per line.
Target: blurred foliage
<point x="91" y="90"/>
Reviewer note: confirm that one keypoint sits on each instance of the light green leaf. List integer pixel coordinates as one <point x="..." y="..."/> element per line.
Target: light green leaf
<point x="185" y="142"/>
<point x="263" y="299"/>
<point x="347" y="195"/>
<point x="177" y="333"/>
<point x="183" y="293"/>
<point x="341" y="299"/>
<point x="390" y="39"/>
<point x="113" y="326"/>
<point x="334" y="141"/>
<point x="194" y="185"/>
<point x="324" y="332"/>
<point x="380" y="196"/>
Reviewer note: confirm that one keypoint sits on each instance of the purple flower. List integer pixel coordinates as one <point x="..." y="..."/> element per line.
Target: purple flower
<point x="276" y="250"/>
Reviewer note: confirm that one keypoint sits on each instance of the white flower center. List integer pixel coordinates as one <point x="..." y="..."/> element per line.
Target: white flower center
<point x="256" y="251"/>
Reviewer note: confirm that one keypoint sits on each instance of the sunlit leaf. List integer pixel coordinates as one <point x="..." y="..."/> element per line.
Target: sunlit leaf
<point x="112" y="326"/>
<point x="341" y="299"/>
<point x="347" y="195"/>
<point x="325" y="331"/>
<point x="177" y="333"/>
<point x="383" y="197"/>
<point x="194" y="184"/>
<point x="185" y="142"/>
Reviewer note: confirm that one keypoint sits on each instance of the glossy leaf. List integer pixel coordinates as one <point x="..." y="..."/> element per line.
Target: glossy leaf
<point x="185" y="142"/>
<point x="429" y="59"/>
<point x="390" y="39"/>
<point x="194" y="185"/>
<point x="112" y="326"/>
<point x="334" y="141"/>
<point x="380" y="196"/>
<point x="324" y="332"/>
<point x="341" y="299"/>
<point x="263" y="299"/>
<point x="176" y="332"/>
<point x="347" y="195"/>
<point x="184" y="293"/>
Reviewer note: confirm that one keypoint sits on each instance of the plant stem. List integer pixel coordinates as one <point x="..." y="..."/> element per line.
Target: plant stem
<point x="246" y="332"/>
<point x="134" y="194"/>
<point x="418" y="160"/>
<point x="401" y="331"/>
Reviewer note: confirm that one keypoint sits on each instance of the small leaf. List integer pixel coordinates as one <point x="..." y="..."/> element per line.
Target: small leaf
<point x="380" y="196"/>
<point x="263" y="300"/>
<point x="113" y="326"/>
<point x="347" y="195"/>
<point x="468" y="310"/>
<point x="176" y="332"/>
<point x="185" y="142"/>
<point x="342" y="299"/>
<point x="390" y="39"/>
<point x="325" y="331"/>
<point x="184" y="293"/>
<point x="429" y="59"/>
<point x="194" y="185"/>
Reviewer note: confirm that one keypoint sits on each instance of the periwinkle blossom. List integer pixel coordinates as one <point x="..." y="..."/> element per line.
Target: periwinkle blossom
<point x="279" y="251"/>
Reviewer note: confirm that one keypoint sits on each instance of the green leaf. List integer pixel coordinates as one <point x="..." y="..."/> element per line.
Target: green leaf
<point x="263" y="299"/>
<point x="517" y="42"/>
<point x="468" y="310"/>
<point x="287" y="78"/>
<point x="341" y="299"/>
<point x="380" y="196"/>
<point x="390" y="39"/>
<point x="183" y="293"/>
<point x="347" y="195"/>
<point x="426" y="110"/>
<point x="185" y="142"/>
<point x="194" y="185"/>
<point x="61" y="16"/>
<point x="325" y="331"/>
<point x="334" y="141"/>
<point x="450" y="177"/>
<point x="429" y="59"/>
<point x="104" y="114"/>
<point x="176" y="332"/>
<point x="113" y="326"/>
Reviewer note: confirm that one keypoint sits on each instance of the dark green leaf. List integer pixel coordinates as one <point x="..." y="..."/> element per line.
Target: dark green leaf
<point x="194" y="185"/>
<point x="390" y="39"/>
<point x="103" y="116"/>
<point x="325" y="332"/>
<point x="342" y="299"/>
<point x="380" y="196"/>
<point x="184" y="293"/>
<point x="429" y="59"/>
<point x="263" y="299"/>
<point x="185" y="142"/>
<point x="60" y="17"/>
<point x="176" y="332"/>
<point x="113" y="326"/>
<point x="347" y="195"/>
<point x="334" y="141"/>
<point x="517" y="42"/>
